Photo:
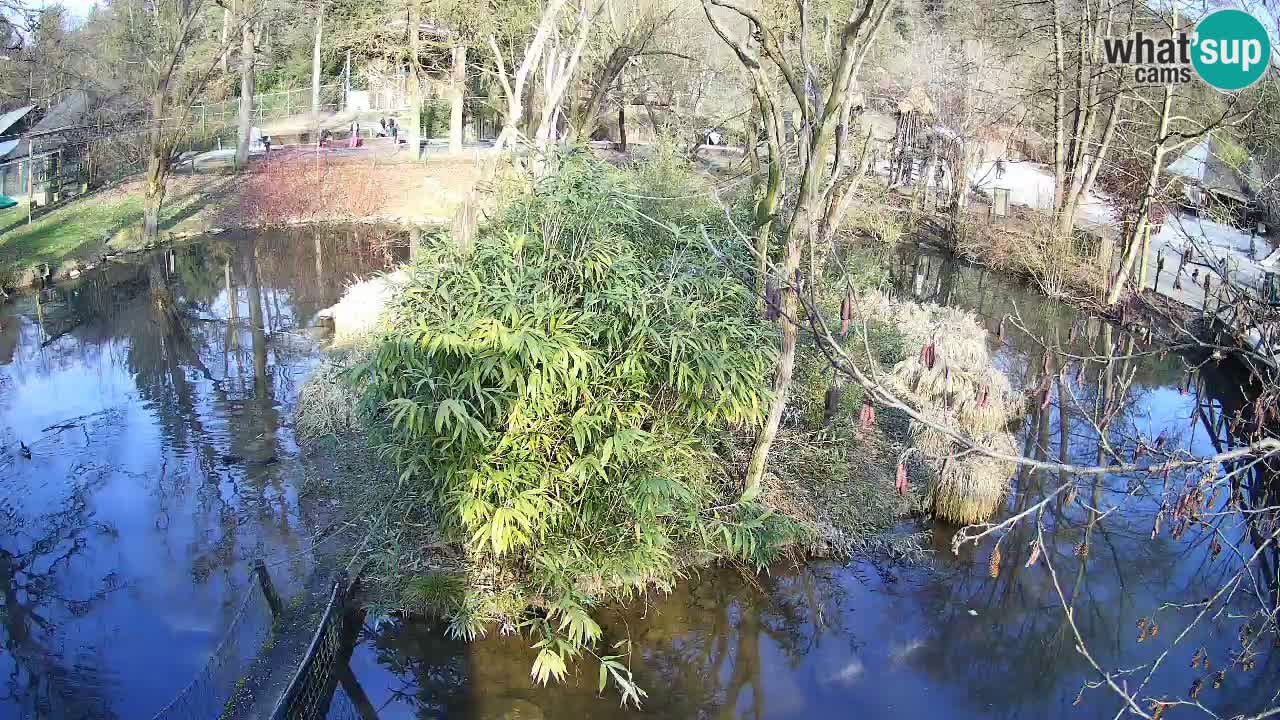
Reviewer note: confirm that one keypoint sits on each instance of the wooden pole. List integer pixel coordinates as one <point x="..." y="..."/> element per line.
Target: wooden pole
<point x="457" y="96"/>
<point x="268" y="590"/>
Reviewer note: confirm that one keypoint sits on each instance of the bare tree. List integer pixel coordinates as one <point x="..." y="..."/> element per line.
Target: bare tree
<point x="816" y="192"/>
<point x="159" y="42"/>
<point x="513" y="86"/>
<point x="248" y="82"/>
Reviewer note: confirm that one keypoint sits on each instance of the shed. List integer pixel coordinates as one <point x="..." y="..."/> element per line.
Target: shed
<point x="1215" y="171"/>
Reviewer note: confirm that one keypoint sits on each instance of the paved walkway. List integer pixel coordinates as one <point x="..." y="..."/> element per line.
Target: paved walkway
<point x="1211" y="246"/>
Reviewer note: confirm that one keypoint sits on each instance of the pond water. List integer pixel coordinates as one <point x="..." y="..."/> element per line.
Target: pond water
<point x="946" y="639"/>
<point x="155" y="396"/>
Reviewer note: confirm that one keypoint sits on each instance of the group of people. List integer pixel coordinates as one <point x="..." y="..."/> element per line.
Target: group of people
<point x="387" y="128"/>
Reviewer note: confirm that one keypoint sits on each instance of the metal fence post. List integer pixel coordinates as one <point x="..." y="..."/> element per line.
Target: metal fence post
<point x="31" y="171"/>
<point x="269" y="590"/>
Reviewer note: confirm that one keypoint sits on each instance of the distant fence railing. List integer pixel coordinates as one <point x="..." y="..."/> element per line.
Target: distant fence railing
<point x="269" y="106"/>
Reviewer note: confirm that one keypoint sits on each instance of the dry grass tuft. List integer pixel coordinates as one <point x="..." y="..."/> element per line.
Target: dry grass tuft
<point x="358" y="316"/>
<point x="328" y="403"/>
<point x="969" y="490"/>
<point x="949" y="376"/>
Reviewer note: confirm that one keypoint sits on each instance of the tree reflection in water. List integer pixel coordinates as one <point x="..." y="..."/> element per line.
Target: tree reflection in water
<point x="166" y="466"/>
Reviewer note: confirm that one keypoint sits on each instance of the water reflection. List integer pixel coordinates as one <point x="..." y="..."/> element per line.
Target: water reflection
<point x="153" y="395"/>
<point x="950" y="640"/>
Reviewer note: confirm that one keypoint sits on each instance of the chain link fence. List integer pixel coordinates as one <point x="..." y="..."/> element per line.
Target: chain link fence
<point x="208" y="693"/>
<point x="268" y="106"/>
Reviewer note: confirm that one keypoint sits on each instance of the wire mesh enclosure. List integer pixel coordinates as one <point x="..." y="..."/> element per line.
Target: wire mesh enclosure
<point x="208" y="693"/>
<point x="311" y="692"/>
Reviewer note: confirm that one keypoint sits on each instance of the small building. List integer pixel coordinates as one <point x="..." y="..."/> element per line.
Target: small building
<point x="13" y="125"/>
<point x="1216" y="174"/>
<point x="42" y="137"/>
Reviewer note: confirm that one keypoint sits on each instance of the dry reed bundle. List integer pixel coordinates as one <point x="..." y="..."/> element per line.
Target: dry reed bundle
<point x="950" y="378"/>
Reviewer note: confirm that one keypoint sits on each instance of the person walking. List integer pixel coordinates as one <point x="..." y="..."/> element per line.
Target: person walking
<point x="354" y="141"/>
<point x="395" y="133"/>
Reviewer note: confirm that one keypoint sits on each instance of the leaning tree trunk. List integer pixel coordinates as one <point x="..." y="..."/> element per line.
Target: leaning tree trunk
<point x="1135" y="243"/>
<point x="801" y="225"/>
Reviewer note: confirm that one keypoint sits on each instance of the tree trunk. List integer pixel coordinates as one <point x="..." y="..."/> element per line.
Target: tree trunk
<point x="457" y="96"/>
<point x="801" y="226"/>
<point x="586" y="120"/>
<point x="622" y="117"/>
<point x="517" y="107"/>
<point x="246" y="92"/>
<point x="414" y="135"/>
<point x="227" y="13"/>
<point x="1135" y="244"/>
<point x="153" y="200"/>
<point x="315" y="75"/>
<point x="1059" y="111"/>
<point x="159" y="148"/>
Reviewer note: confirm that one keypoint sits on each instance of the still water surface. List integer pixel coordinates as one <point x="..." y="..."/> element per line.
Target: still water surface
<point x="156" y="396"/>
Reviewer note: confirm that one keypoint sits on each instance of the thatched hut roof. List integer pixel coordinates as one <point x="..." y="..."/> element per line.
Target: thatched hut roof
<point x="916" y="101"/>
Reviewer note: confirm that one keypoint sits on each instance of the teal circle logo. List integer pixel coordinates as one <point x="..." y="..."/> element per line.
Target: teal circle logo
<point x="1230" y="49"/>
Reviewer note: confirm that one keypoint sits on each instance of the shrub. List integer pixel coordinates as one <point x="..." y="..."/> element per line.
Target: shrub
<point x="557" y="391"/>
<point x="300" y="189"/>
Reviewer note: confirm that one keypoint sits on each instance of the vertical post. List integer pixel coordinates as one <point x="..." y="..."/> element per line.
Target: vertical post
<point x="457" y="96"/>
<point x="315" y="75"/>
<point x="31" y="179"/>
<point x="414" y="80"/>
<point x="346" y="83"/>
<point x="268" y="590"/>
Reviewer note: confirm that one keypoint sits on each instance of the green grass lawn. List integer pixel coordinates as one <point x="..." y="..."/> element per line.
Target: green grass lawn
<point x="76" y="228"/>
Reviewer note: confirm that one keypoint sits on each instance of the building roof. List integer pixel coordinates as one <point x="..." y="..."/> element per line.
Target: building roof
<point x="67" y="113"/>
<point x="1205" y="164"/>
<point x="10" y="118"/>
